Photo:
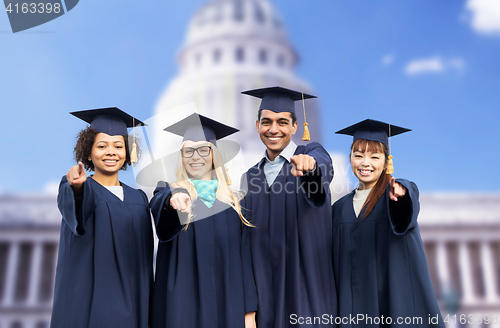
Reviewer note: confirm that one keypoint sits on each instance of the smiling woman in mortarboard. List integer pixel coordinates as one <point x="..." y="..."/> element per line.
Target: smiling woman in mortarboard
<point x="203" y="273"/>
<point x="104" y="269"/>
<point x="380" y="266"/>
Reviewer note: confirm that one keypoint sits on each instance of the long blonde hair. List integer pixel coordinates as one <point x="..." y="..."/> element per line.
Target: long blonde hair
<point x="224" y="193"/>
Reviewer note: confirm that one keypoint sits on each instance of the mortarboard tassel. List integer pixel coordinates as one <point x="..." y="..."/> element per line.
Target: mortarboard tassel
<point x="307" y="135"/>
<point x="133" y="153"/>
<point x="228" y="178"/>
<point x="390" y="165"/>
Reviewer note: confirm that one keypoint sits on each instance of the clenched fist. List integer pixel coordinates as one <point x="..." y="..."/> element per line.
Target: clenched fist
<point x="302" y="164"/>
<point x="396" y="189"/>
<point x="181" y="202"/>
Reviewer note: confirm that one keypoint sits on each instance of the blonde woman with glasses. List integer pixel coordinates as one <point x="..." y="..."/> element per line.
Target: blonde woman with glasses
<point x="203" y="271"/>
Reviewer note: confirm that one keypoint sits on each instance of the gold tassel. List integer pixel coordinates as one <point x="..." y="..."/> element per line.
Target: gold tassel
<point x="228" y="178"/>
<point x="133" y="153"/>
<point x="390" y="166"/>
<point x="307" y="135"/>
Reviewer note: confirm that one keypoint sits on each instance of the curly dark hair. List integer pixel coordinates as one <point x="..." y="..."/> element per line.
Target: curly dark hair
<point x="85" y="142"/>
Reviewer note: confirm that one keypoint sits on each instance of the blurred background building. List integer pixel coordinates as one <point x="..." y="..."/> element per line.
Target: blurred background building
<point x="29" y="239"/>
<point x="231" y="46"/>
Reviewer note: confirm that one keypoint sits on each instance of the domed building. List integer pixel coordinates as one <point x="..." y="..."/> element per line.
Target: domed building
<point x="233" y="46"/>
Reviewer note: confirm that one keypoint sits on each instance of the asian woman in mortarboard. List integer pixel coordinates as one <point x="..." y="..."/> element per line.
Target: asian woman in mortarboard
<point x="104" y="270"/>
<point x="203" y="278"/>
<point x="379" y="261"/>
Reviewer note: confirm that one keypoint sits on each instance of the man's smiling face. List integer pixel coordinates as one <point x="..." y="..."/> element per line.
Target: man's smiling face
<point x="275" y="130"/>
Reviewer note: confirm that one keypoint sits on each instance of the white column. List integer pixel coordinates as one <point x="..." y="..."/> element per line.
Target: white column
<point x="487" y="261"/>
<point x="468" y="296"/>
<point x="442" y="265"/>
<point x="35" y="273"/>
<point x="10" y="277"/>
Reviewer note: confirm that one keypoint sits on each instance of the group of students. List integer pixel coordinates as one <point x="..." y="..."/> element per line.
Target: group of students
<point x="274" y="254"/>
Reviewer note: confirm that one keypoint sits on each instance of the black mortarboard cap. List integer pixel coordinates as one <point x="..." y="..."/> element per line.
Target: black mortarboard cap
<point x="277" y="99"/>
<point x="373" y="130"/>
<point x="197" y="127"/>
<point x="112" y="120"/>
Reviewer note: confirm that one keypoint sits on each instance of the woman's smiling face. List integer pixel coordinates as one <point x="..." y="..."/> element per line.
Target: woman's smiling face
<point x="108" y="154"/>
<point x="198" y="166"/>
<point x="367" y="166"/>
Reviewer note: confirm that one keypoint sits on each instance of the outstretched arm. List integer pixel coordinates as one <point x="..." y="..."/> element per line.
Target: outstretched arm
<point x="403" y="205"/>
<point x="75" y="199"/>
<point x="166" y="205"/>
<point x="317" y="172"/>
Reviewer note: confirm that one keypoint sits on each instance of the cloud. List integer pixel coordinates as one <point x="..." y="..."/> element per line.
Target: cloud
<point x="51" y="188"/>
<point x="457" y="64"/>
<point x="484" y="16"/>
<point x="387" y="59"/>
<point x="433" y="65"/>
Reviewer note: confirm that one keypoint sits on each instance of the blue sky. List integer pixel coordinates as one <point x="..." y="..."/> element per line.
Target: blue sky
<point x="429" y="65"/>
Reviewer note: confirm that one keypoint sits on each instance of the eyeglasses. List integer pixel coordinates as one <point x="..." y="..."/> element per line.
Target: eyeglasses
<point x="188" y="152"/>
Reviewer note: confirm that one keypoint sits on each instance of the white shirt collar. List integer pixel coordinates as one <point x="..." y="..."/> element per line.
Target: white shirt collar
<point x="286" y="153"/>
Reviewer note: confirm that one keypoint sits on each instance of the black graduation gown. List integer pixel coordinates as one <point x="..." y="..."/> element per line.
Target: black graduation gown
<point x="199" y="271"/>
<point x="104" y="270"/>
<point x="380" y="264"/>
<point x="291" y="246"/>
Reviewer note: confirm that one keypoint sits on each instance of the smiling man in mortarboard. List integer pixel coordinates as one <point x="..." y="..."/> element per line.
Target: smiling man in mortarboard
<point x="288" y="200"/>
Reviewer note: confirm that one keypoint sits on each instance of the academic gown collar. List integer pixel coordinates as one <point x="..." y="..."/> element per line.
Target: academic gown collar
<point x="359" y="218"/>
<point x="109" y="196"/>
<point x="202" y="208"/>
<point x="286" y="153"/>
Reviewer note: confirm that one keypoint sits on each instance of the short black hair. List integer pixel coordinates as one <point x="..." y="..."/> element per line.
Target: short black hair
<point x="294" y="117"/>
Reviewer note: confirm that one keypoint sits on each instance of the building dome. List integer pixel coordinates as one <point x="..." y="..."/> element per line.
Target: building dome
<point x="245" y="32"/>
<point x="237" y="19"/>
<point x="232" y="46"/>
